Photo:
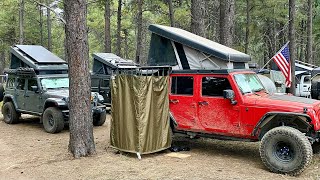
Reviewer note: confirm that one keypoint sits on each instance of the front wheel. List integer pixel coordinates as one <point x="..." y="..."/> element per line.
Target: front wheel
<point x="53" y="121"/>
<point x="99" y="119"/>
<point x="285" y="150"/>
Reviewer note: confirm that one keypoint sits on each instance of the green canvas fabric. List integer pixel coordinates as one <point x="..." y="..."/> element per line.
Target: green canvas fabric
<point x="140" y="113"/>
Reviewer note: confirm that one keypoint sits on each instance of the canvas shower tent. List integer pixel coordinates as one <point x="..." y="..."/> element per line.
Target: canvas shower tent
<point x="140" y="110"/>
<point x="184" y="50"/>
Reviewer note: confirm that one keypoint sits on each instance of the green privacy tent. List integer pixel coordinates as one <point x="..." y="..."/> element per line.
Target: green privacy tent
<point x="140" y="113"/>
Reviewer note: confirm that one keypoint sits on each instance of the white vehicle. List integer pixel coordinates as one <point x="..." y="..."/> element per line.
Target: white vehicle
<point x="303" y="85"/>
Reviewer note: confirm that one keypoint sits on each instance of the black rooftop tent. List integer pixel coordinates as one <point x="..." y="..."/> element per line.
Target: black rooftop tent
<point x="185" y="50"/>
<point x="104" y="63"/>
<point x="38" y="58"/>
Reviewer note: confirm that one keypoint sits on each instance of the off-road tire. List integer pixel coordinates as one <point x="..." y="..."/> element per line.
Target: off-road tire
<point x="285" y="150"/>
<point x="52" y="120"/>
<point x="10" y="115"/>
<point x="316" y="147"/>
<point x="99" y="119"/>
<point x="1" y="92"/>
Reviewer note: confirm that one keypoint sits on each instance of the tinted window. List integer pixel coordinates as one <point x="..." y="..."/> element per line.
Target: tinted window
<point x="212" y="86"/>
<point x="182" y="85"/>
<point x="32" y="82"/>
<point x="20" y="84"/>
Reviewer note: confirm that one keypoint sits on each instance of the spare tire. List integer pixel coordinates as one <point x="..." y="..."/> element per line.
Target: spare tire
<point x="1" y="92"/>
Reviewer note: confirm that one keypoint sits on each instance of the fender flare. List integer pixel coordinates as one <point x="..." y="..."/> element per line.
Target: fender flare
<point x="11" y="98"/>
<point x="268" y="117"/>
<point x="56" y="101"/>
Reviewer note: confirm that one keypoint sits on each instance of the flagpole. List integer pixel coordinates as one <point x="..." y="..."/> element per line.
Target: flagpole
<point x="273" y="56"/>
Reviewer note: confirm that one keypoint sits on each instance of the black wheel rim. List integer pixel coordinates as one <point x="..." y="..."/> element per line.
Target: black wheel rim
<point x="284" y="151"/>
<point x="50" y="120"/>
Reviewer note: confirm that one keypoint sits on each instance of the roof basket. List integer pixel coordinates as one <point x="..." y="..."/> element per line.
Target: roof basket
<point x="25" y="72"/>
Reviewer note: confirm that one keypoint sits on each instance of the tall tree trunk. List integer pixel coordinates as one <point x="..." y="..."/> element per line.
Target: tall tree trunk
<point x="41" y="23"/>
<point x="118" y="51"/>
<point x="247" y="27"/>
<point x="49" y="25"/>
<point x="309" y="32"/>
<point x="21" y="22"/>
<point x="292" y="45"/>
<point x="2" y="61"/>
<point x="107" y="16"/>
<point x="198" y="17"/>
<point x="302" y="42"/>
<point x="139" y="33"/>
<point x="126" y="45"/>
<point x="81" y="128"/>
<point x="171" y="12"/>
<point x="227" y="11"/>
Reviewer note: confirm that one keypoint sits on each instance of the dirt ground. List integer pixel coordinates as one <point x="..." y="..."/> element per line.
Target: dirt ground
<point x="28" y="152"/>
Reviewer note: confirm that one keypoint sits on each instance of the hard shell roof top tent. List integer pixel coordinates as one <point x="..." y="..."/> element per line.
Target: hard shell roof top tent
<point x="38" y="58"/>
<point x="105" y="63"/>
<point x="184" y="50"/>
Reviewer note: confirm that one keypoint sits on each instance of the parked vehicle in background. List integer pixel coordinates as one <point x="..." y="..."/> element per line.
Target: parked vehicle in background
<point x="234" y="105"/>
<point x="303" y="87"/>
<point x="38" y="84"/>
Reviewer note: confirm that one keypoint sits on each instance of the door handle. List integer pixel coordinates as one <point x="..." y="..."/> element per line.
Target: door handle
<point x="304" y="85"/>
<point x="203" y="103"/>
<point x="174" y="101"/>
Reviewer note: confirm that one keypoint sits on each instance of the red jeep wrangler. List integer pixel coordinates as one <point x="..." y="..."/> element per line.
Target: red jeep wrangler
<point x="233" y="105"/>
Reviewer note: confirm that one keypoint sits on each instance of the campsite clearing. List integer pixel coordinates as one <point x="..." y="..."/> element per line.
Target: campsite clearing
<point x="28" y="152"/>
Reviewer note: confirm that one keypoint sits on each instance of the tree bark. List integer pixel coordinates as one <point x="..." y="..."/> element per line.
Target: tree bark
<point x="126" y="45"/>
<point x="2" y="61"/>
<point x="171" y="13"/>
<point x="41" y="23"/>
<point x="49" y="25"/>
<point x="309" y="32"/>
<point x="107" y="43"/>
<point x="198" y="17"/>
<point x="139" y="33"/>
<point x="21" y="22"/>
<point x="81" y="128"/>
<point x="227" y="11"/>
<point x="118" y="51"/>
<point x="247" y="27"/>
<point x="292" y="45"/>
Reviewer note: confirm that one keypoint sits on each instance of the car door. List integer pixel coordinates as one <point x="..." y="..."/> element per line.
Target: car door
<point x="182" y="102"/>
<point x="216" y="114"/>
<point x="32" y="96"/>
<point x="19" y="92"/>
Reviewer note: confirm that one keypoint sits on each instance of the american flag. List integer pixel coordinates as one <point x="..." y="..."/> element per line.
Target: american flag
<point x="282" y="59"/>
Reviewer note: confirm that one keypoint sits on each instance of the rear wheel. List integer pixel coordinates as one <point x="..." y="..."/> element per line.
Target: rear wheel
<point x="285" y="150"/>
<point x="10" y="115"/>
<point x="53" y="121"/>
<point x="99" y="119"/>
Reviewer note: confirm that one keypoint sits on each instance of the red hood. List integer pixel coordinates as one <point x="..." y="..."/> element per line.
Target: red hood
<point x="284" y="103"/>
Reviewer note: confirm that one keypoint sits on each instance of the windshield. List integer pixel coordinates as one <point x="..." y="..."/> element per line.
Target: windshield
<point x="55" y="83"/>
<point x="248" y="83"/>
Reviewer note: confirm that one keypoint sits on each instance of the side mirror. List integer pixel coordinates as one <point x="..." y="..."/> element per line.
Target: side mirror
<point x="34" y="89"/>
<point x="229" y="94"/>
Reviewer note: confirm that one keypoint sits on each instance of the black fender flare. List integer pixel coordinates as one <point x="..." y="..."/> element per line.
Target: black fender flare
<point x="55" y="102"/>
<point x="11" y="98"/>
<point x="270" y="117"/>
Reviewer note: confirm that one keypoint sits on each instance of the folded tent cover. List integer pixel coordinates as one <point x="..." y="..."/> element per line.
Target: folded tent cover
<point x="140" y="112"/>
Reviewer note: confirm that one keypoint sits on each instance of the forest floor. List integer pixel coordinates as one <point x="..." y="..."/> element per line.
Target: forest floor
<point x="28" y="152"/>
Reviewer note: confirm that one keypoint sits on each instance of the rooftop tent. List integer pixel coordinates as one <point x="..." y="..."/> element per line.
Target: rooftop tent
<point x="38" y="58"/>
<point x="184" y="50"/>
<point x="104" y="63"/>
